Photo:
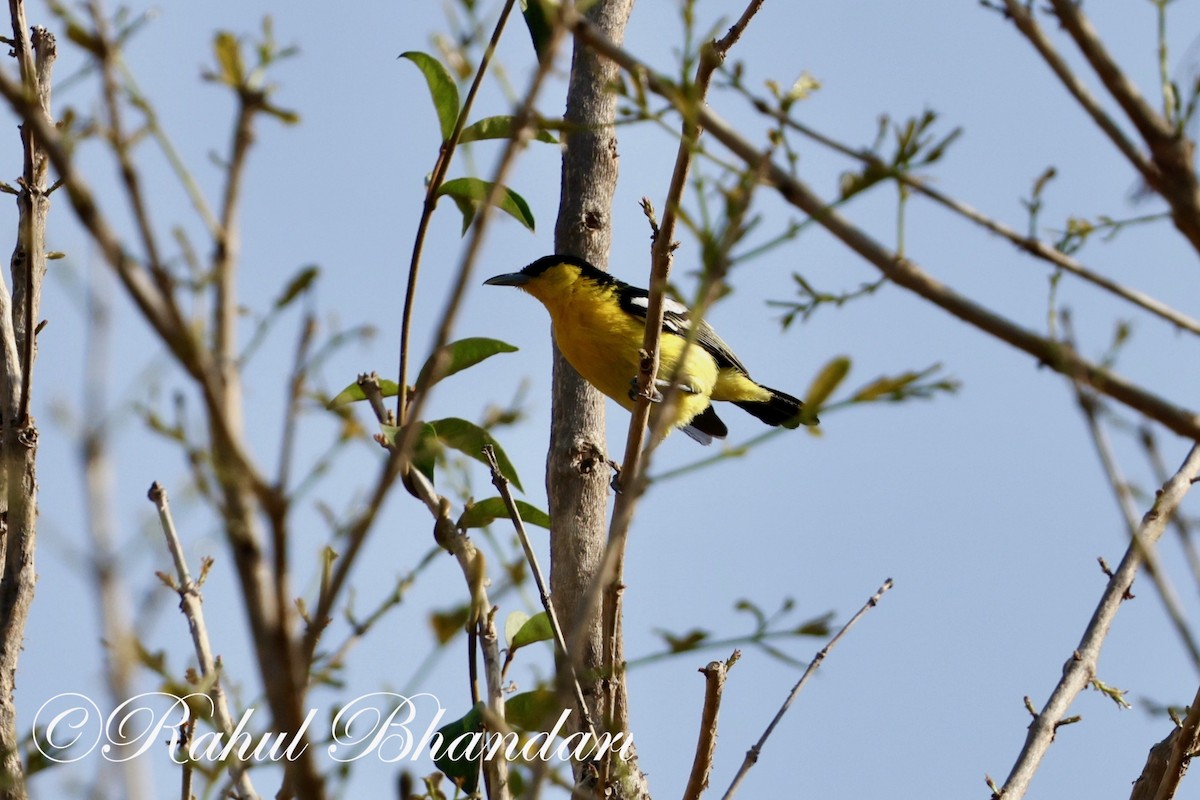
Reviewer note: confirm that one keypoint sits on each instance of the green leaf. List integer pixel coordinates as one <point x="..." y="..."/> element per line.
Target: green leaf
<point x="470" y="193"/>
<point x="688" y="641"/>
<point x="229" y="59"/>
<point x="297" y="285"/>
<point x="464" y="353"/>
<point x="535" y="629"/>
<point x="537" y="20"/>
<point x="532" y="711"/>
<point x="500" y="127"/>
<point x="463" y="771"/>
<point x="485" y="512"/>
<point x="391" y="433"/>
<point x="824" y="384"/>
<point x="469" y="439"/>
<point x="354" y="393"/>
<point x="425" y="451"/>
<point x="891" y="386"/>
<point x="817" y="626"/>
<point x="513" y="623"/>
<point x="448" y="624"/>
<point x="284" y="115"/>
<point x="441" y="88"/>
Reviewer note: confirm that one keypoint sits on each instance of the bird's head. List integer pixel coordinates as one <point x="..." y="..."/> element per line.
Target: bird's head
<point x="551" y="276"/>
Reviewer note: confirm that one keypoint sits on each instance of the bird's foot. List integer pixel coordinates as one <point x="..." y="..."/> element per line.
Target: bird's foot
<point x="653" y="395"/>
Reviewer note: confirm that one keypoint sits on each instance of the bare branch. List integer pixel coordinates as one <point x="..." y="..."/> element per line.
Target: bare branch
<point x="714" y="685"/>
<point x="753" y="753"/>
<point x="501" y="484"/>
<point x="1023" y="18"/>
<point x="905" y="272"/>
<point x="153" y="305"/>
<point x="1182" y="526"/>
<point x="193" y="610"/>
<point x="480" y="619"/>
<point x="1169" y="170"/>
<point x="35" y="52"/>
<point x="1088" y="403"/>
<point x="295" y="392"/>
<point x="1147" y="784"/>
<point x="112" y="599"/>
<point x="1030" y="244"/>
<point x="1081" y="666"/>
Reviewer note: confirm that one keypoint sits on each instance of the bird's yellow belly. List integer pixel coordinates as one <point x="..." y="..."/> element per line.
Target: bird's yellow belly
<point x="604" y="349"/>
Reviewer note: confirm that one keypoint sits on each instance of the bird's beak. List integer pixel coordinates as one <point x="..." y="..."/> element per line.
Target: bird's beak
<point x="509" y="279"/>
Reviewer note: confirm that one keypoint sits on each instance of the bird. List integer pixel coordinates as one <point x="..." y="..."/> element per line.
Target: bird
<point x="599" y="321"/>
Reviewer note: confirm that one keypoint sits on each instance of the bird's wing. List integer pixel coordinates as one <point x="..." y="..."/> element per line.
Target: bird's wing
<point x="677" y="320"/>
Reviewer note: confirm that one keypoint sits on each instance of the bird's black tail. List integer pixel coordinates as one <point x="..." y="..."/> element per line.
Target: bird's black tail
<point x="781" y="409"/>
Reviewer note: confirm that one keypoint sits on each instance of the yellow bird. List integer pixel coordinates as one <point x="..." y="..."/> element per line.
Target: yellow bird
<point x="599" y="322"/>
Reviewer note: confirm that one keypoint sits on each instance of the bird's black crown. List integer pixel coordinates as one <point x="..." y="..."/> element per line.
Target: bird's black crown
<point x="586" y="269"/>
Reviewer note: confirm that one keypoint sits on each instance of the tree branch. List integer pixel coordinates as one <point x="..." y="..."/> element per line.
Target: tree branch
<point x="635" y="463"/>
<point x="1169" y="170"/>
<point x="907" y="273"/>
<point x="437" y="178"/>
<point x="1030" y="244"/>
<point x="1081" y="666"/>
<point x="753" y="753"/>
<point x="35" y="52"/>
<point x="191" y="605"/>
<point x="560" y="641"/>
<point x="714" y="685"/>
<point x="1088" y="404"/>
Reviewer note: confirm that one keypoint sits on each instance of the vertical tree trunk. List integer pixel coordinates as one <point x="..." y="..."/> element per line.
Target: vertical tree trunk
<point x="35" y="53"/>
<point x="577" y="476"/>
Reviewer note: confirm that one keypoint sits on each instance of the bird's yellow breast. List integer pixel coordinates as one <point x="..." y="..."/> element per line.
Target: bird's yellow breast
<point x="602" y="342"/>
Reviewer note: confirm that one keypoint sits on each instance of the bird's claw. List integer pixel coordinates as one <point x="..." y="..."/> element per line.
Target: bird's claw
<point x="653" y="394"/>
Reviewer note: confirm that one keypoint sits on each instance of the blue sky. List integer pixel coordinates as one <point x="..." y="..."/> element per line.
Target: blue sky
<point x="988" y="507"/>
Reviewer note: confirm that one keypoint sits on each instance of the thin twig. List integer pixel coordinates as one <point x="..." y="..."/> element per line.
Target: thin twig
<point x="154" y="306"/>
<point x="1169" y="170"/>
<point x="1030" y="244"/>
<point x="522" y="123"/>
<point x="360" y="628"/>
<point x="295" y="392"/>
<point x="706" y="746"/>
<point x="1023" y="18"/>
<point x="1088" y="403"/>
<point x="1182" y="526"/>
<point x="192" y="607"/>
<point x="1091" y="405"/>
<point x="355" y="535"/>
<point x="905" y="272"/>
<point x="495" y="769"/>
<point x="480" y="619"/>
<point x="560" y="642"/>
<point x="119" y="142"/>
<point x="635" y="461"/>
<point x="753" y="753"/>
<point x="1081" y="666"/>
<point x="95" y="454"/>
<point x="187" y="771"/>
<point x="445" y="154"/>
